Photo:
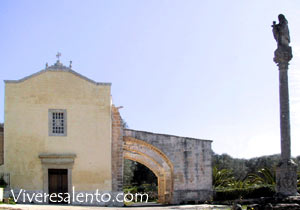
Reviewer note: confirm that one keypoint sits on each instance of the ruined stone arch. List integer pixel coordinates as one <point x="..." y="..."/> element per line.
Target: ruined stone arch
<point x="153" y="158"/>
<point x="189" y="180"/>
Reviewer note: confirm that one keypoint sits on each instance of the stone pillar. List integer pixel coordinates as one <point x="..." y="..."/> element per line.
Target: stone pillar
<point x="284" y="112"/>
<point x="117" y="150"/>
<point x="286" y="172"/>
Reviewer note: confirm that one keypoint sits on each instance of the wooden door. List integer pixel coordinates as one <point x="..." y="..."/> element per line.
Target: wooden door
<point x="58" y="183"/>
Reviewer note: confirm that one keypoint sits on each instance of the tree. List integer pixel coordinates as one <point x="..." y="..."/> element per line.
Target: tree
<point x="298" y="179"/>
<point x="264" y="176"/>
<point x="128" y="171"/>
<point x="222" y="178"/>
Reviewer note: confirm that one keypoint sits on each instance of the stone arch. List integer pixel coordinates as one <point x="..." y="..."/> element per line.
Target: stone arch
<point x="153" y="158"/>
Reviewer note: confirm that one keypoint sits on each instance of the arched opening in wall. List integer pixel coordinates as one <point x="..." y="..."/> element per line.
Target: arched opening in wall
<point x="155" y="160"/>
<point x="137" y="178"/>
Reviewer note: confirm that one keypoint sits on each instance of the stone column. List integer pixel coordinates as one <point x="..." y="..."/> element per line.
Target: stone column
<point x="286" y="172"/>
<point x="284" y="112"/>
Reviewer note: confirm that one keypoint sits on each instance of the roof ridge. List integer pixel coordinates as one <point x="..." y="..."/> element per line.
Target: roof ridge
<point x="58" y="67"/>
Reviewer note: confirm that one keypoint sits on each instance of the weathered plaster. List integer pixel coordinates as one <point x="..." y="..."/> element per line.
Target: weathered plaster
<point x="88" y="106"/>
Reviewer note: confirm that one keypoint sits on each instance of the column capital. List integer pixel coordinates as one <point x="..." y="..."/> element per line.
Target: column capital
<point x="282" y="56"/>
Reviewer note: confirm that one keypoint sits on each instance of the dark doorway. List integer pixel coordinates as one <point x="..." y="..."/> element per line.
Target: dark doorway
<point x="58" y="183"/>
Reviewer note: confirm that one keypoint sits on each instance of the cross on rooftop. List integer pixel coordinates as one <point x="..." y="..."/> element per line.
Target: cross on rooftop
<point x="58" y="55"/>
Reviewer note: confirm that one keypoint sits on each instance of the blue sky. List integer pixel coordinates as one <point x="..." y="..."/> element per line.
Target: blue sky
<point x="201" y="69"/>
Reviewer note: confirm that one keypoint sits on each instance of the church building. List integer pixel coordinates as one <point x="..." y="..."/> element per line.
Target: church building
<point x="62" y="134"/>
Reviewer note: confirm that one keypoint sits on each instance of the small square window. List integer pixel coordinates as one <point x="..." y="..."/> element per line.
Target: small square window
<point x="57" y="122"/>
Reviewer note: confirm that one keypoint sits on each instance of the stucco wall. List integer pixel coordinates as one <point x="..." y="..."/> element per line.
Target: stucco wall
<point x="88" y="129"/>
<point x="191" y="158"/>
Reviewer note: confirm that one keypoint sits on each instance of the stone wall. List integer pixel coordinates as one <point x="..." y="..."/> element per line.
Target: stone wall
<point x="191" y="159"/>
<point x="117" y="150"/>
<point x="1" y="144"/>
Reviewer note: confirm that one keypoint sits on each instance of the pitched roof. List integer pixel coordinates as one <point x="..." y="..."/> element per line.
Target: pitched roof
<point x="58" y="67"/>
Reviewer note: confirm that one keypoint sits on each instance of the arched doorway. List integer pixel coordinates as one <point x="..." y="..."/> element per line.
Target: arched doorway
<point x="150" y="156"/>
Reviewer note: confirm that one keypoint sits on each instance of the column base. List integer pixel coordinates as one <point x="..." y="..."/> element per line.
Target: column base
<point x="286" y="178"/>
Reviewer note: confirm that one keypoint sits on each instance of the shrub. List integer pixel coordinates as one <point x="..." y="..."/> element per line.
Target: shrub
<point x="249" y="192"/>
<point x="150" y="189"/>
<point x="130" y="189"/>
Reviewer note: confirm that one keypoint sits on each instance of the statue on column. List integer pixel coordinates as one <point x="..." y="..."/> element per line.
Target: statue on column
<point x="281" y="31"/>
<point x="286" y="172"/>
<point x="283" y="53"/>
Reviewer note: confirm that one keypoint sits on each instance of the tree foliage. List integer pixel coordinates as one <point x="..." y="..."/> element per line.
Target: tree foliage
<point x="264" y="176"/>
<point x="136" y="174"/>
<point x="241" y="168"/>
<point x="298" y="179"/>
<point x="222" y="178"/>
<point x="234" y="173"/>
